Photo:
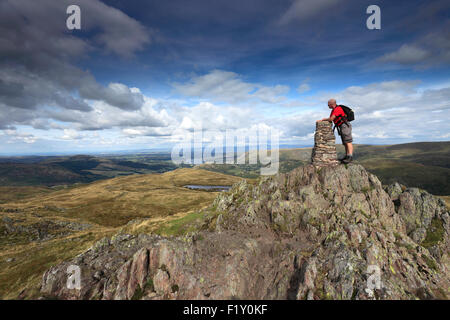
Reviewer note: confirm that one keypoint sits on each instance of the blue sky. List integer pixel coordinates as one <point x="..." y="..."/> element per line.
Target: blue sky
<point x="139" y="74"/>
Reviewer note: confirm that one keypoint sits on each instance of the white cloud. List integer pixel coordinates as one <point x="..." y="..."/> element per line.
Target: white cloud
<point x="226" y="86"/>
<point x="15" y="136"/>
<point x="432" y="49"/>
<point x="302" y="88"/>
<point x="385" y="112"/>
<point x="115" y="94"/>
<point x="271" y="94"/>
<point x="395" y="110"/>
<point x="304" y="10"/>
<point x="378" y="96"/>
<point x="406" y="54"/>
<point x="71" y="134"/>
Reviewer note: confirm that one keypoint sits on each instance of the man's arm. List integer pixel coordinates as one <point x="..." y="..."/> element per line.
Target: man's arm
<point x="330" y="119"/>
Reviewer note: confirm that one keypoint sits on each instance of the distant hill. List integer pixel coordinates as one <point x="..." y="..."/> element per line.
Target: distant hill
<point x="424" y="165"/>
<point x="426" y="153"/>
<point x="50" y="171"/>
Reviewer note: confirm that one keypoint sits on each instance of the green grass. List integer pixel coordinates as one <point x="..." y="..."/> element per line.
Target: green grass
<point x="430" y="262"/>
<point x="435" y="233"/>
<point x="180" y="226"/>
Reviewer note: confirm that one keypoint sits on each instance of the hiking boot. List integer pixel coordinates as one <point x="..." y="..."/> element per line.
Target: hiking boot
<point x="347" y="159"/>
<point x="343" y="158"/>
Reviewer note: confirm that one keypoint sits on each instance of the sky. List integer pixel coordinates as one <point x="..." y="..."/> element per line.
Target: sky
<point x="140" y="74"/>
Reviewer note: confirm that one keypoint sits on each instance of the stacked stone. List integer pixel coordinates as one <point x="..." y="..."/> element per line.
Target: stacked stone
<point x="324" y="152"/>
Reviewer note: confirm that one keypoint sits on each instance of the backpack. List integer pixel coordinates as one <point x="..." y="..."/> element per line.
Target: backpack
<point x="349" y="114"/>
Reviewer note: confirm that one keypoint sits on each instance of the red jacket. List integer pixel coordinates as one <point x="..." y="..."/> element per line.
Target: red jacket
<point x="338" y="112"/>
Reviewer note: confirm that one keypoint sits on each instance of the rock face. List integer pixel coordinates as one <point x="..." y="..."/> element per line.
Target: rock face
<point x="324" y="151"/>
<point x="332" y="232"/>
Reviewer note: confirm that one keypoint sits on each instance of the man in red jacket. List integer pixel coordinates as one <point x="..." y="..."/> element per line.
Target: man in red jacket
<point x="337" y="116"/>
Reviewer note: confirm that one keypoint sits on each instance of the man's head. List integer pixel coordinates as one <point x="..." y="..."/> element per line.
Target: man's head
<point x="332" y="103"/>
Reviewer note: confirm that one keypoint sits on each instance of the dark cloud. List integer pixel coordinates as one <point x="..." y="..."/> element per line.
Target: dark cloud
<point x="116" y="94"/>
<point x="24" y="90"/>
<point x="38" y="56"/>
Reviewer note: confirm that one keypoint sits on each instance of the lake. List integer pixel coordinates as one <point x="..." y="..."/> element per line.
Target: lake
<point x="207" y="188"/>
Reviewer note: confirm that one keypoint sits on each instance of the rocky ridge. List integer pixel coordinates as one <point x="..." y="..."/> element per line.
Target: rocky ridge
<point x="314" y="233"/>
<point x="321" y="231"/>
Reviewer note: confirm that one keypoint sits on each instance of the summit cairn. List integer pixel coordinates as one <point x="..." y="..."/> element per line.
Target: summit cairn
<point x="324" y="152"/>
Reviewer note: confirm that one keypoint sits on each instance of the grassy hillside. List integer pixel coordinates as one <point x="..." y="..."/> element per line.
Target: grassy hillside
<point x="424" y="165"/>
<point x="426" y="153"/>
<point x="48" y="225"/>
<point x="434" y="179"/>
<point x="114" y="202"/>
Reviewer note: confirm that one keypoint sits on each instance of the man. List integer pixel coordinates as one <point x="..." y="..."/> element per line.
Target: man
<point x="344" y="127"/>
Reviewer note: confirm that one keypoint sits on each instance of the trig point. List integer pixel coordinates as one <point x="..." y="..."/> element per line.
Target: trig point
<point x="324" y="152"/>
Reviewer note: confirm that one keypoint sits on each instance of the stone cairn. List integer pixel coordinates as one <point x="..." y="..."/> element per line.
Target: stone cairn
<point x="324" y="152"/>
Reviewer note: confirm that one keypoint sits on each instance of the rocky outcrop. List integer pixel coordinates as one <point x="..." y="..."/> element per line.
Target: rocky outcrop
<point x="324" y="151"/>
<point x="329" y="232"/>
<point x="42" y="230"/>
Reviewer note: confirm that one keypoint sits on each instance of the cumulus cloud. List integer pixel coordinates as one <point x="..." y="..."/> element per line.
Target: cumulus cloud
<point x="116" y="94"/>
<point x="104" y="116"/>
<point x="376" y="96"/>
<point x="71" y="134"/>
<point x="15" y="136"/>
<point x="386" y="112"/>
<point x="227" y="86"/>
<point x="392" y="110"/>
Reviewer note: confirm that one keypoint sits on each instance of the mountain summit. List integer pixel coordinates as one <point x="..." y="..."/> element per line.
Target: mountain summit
<point x="328" y="231"/>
